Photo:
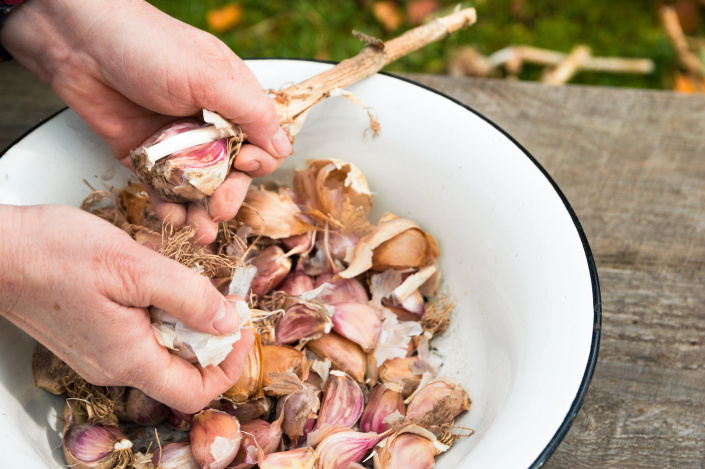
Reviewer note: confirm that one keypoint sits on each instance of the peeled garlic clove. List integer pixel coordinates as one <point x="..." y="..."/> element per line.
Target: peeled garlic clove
<point x="437" y="403"/>
<point x="343" y="290"/>
<point x="96" y="445"/>
<point x="396" y="243"/>
<point x="408" y="451"/>
<point x="271" y="214"/>
<point x="187" y="161"/>
<point x="215" y="438"/>
<point x="302" y="458"/>
<point x="340" y="449"/>
<point x="344" y="354"/>
<point x="174" y="456"/>
<point x="342" y="402"/>
<point x="399" y="371"/>
<point x="282" y="359"/>
<point x="384" y="400"/>
<point x="359" y="323"/>
<point x="272" y="266"/>
<point x="296" y="283"/>
<point x="250" y="410"/>
<point x="143" y="410"/>
<point x="301" y="321"/>
<point x="249" y="385"/>
<point x="50" y="372"/>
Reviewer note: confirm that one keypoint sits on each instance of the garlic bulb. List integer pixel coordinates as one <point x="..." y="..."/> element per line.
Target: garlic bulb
<point x="98" y="444"/>
<point x="188" y="160"/>
<point x="215" y="438"/>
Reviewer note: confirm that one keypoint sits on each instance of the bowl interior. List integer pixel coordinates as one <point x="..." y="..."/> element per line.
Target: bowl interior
<point x="521" y="340"/>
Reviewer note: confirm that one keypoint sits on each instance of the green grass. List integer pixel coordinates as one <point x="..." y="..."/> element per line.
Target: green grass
<point x="321" y="29"/>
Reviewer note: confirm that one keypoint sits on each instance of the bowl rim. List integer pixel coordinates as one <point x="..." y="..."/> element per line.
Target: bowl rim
<point x="590" y="260"/>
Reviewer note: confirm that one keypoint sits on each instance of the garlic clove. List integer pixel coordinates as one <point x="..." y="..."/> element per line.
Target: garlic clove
<point x="396" y="243"/>
<point x="98" y="444"/>
<point x="399" y="371"/>
<point x="282" y="359"/>
<point x="187" y="161"/>
<point x="143" y="410"/>
<point x="337" y="244"/>
<point x="407" y="451"/>
<point x="72" y="413"/>
<point x="272" y="266"/>
<point x="437" y="403"/>
<point x="300" y="243"/>
<point x="50" y="372"/>
<point x="271" y="214"/>
<point x="342" y="290"/>
<point x="342" y="402"/>
<point x="249" y="385"/>
<point x="215" y="438"/>
<point x="302" y="458"/>
<point x="359" y="323"/>
<point x="384" y="400"/>
<point x="259" y="438"/>
<point x="340" y="449"/>
<point x="174" y="456"/>
<point x="298" y="411"/>
<point x="301" y="321"/>
<point x="344" y="354"/>
<point x="296" y="283"/>
<point x="246" y="411"/>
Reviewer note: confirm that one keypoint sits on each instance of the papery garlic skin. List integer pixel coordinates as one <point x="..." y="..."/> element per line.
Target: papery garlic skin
<point x="215" y="438"/>
<point x="272" y="214"/>
<point x="384" y="400"/>
<point x="399" y="371"/>
<point x="395" y="337"/>
<point x="249" y="384"/>
<point x="174" y="456"/>
<point x="282" y="359"/>
<point x="302" y="458"/>
<point x="342" y="402"/>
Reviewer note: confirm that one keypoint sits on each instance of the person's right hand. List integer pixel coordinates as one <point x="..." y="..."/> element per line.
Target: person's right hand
<point x="81" y="286"/>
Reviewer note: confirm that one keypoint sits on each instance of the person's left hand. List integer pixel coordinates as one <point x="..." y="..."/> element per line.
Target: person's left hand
<point x="127" y="69"/>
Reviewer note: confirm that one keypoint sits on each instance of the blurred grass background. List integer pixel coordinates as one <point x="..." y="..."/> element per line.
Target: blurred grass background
<point x="322" y="29"/>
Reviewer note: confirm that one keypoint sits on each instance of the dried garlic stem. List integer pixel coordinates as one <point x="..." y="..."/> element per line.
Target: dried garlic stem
<point x="293" y="102"/>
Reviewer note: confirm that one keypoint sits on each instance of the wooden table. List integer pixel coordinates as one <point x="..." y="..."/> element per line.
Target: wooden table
<point x="632" y="165"/>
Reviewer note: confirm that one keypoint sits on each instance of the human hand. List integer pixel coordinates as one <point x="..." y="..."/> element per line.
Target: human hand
<point x="127" y="69"/>
<point x="82" y="287"/>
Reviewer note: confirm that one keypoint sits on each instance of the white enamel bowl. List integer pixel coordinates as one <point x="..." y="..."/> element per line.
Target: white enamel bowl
<point x="525" y="332"/>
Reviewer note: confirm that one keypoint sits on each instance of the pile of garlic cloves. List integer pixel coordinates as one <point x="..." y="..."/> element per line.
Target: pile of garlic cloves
<point x="341" y="374"/>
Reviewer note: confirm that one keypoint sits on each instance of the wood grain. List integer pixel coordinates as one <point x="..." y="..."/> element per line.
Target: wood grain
<point x="632" y="165"/>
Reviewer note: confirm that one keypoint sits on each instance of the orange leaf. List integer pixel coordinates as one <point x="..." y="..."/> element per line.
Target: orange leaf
<point x="224" y="18"/>
<point x="388" y="13"/>
<point x="688" y="84"/>
<point x="418" y="11"/>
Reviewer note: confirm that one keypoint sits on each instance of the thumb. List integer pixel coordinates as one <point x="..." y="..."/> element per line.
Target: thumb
<point x="188" y="296"/>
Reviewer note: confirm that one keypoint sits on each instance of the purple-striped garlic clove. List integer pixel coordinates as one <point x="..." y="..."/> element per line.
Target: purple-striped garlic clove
<point x="344" y="354"/>
<point x="302" y="458"/>
<point x="437" y="403"/>
<point x="384" y="400"/>
<point x="301" y="321"/>
<point x="344" y="290"/>
<point x="340" y="449"/>
<point x="342" y="402"/>
<point x="215" y="438"/>
<point x="96" y="444"/>
<point x="300" y="243"/>
<point x="259" y="438"/>
<point x="296" y="283"/>
<point x="359" y="323"/>
<point x="408" y="451"/>
<point x="272" y="266"/>
<point x="174" y="456"/>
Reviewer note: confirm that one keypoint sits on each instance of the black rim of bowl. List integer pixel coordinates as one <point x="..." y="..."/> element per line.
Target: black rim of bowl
<point x="596" y="297"/>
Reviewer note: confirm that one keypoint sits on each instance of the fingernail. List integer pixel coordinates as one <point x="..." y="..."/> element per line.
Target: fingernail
<point x="252" y="165"/>
<point x="226" y="319"/>
<point x="281" y="143"/>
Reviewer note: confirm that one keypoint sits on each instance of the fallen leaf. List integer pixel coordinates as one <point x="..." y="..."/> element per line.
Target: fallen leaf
<point x="224" y="18"/>
<point x="388" y="13"/>
<point x="418" y="11"/>
<point x="688" y="84"/>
